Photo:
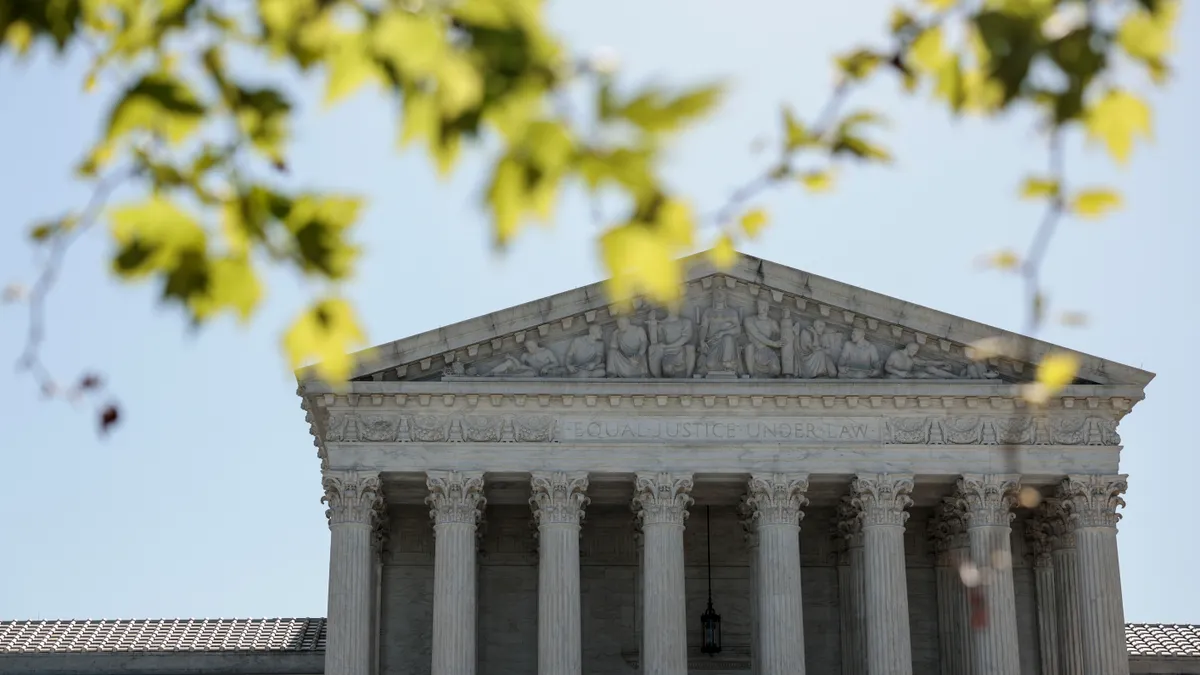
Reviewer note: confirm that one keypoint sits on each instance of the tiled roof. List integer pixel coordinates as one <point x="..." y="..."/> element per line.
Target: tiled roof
<point x="308" y="635"/>
<point x="1162" y="639"/>
<point x="163" y="635"/>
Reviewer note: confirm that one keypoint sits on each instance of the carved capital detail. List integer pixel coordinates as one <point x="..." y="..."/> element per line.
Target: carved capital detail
<point x="558" y="497"/>
<point x="1056" y="523"/>
<point x="662" y="497"/>
<point x="987" y="500"/>
<point x="746" y="520"/>
<point x="847" y="522"/>
<point x="947" y="530"/>
<point x="455" y="496"/>
<point x="1092" y="501"/>
<point x="882" y="498"/>
<point x="352" y="496"/>
<point x="776" y="498"/>
<point x="1039" y="540"/>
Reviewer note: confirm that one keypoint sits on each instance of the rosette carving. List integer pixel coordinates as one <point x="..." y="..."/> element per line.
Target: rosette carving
<point x="429" y="428"/>
<point x="455" y="496"/>
<point x="962" y="430"/>
<point x="987" y="500"/>
<point x="662" y="497"/>
<point x="882" y="498"/>
<point x="533" y="428"/>
<point x="558" y="497"/>
<point x="352" y="496"/>
<point x="1068" y="430"/>
<point x="909" y="429"/>
<point x="1014" y="430"/>
<point x="482" y="428"/>
<point x="1092" y="501"/>
<point x="776" y="498"/>
<point x="377" y="428"/>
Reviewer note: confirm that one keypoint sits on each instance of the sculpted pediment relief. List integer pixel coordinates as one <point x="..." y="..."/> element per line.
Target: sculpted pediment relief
<point x="755" y="320"/>
<point x="724" y="329"/>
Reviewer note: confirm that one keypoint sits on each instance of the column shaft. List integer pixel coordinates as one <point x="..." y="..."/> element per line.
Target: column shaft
<point x="852" y="589"/>
<point x="776" y="500"/>
<point x="1066" y="602"/>
<point x="1092" y="502"/>
<point x="751" y="538"/>
<point x="995" y="646"/>
<point x="558" y="500"/>
<point x="954" y="614"/>
<point x="1043" y="578"/>
<point x="353" y="499"/>
<point x="883" y="499"/>
<point x="456" y="499"/>
<point x="661" y="501"/>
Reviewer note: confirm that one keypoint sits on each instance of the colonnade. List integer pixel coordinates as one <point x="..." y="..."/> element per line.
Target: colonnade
<point x="1075" y="554"/>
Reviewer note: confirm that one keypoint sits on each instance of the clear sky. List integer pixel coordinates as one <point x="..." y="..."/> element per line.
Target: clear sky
<point x="205" y="502"/>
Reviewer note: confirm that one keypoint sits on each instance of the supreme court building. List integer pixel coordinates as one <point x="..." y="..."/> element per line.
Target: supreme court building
<point x="829" y="476"/>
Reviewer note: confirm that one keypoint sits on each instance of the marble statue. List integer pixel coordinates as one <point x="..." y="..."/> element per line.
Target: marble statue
<point x="905" y="364"/>
<point x="787" y="338"/>
<point x="585" y="354"/>
<point x="980" y="370"/>
<point x="859" y="358"/>
<point x="761" y="351"/>
<point x="671" y="353"/>
<point x="536" y="361"/>
<point x="815" y="351"/>
<point x="719" y="329"/>
<point x="627" y="350"/>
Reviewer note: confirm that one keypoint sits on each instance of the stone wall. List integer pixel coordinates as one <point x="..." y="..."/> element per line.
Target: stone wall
<point x="507" y="642"/>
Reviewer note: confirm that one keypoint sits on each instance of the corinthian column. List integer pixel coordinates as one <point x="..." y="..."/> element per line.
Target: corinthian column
<point x="1066" y="588"/>
<point x="456" y="504"/>
<point x="852" y="589"/>
<point x="951" y="548"/>
<point x="1091" y="502"/>
<point x="882" y="499"/>
<point x="354" y="500"/>
<point x="558" y="501"/>
<point x="776" y="500"/>
<point x="661" y="501"/>
<point x="1038" y="540"/>
<point x="987" y="502"/>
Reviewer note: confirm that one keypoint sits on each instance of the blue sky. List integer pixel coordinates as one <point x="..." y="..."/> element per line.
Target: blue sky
<point x="205" y="502"/>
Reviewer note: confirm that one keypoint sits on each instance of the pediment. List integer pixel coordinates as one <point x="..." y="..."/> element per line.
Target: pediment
<point x="756" y="319"/>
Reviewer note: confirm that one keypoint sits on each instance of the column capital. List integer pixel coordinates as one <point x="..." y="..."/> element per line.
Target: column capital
<point x="1091" y="500"/>
<point x="746" y="520"/>
<point x="847" y="522"/>
<point x="558" y="497"/>
<point x="882" y="498"/>
<point x="776" y="498"/>
<point x="1056" y="523"/>
<point x="662" y="497"/>
<point x="948" y="530"/>
<point x="352" y="496"/>
<point x="987" y="500"/>
<point x="455" y="496"/>
<point x="1039" y="540"/>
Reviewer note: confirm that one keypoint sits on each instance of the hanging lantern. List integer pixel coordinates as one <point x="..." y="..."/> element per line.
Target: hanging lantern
<point x="710" y="621"/>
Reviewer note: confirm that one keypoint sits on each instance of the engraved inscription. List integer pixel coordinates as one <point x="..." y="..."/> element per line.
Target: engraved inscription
<point x="823" y="429"/>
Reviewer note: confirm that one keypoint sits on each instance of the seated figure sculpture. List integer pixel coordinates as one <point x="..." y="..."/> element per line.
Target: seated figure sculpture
<point x="671" y="353"/>
<point x="627" y="350"/>
<point x="585" y="354"/>
<point x="762" y="357"/>
<point x="719" y="329"/>
<point x="859" y="358"/>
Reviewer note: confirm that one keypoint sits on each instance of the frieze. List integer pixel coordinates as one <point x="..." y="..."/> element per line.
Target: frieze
<point x="1074" y="430"/>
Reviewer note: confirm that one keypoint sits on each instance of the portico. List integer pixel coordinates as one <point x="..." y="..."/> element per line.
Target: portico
<point x="528" y="518"/>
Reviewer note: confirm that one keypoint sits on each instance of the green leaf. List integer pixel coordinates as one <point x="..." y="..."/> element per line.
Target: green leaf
<point x="859" y="64"/>
<point x="753" y="222"/>
<point x="414" y="44"/>
<point x="1012" y="38"/>
<point x="950" y="83"/>
<point x="232" y="284"/>
<point x="928" y="51"/>
<point x="320" y="226"/>
<point x="1116" y="120"/>
<point x="1039" y="188"/>
<point x="460" y="86"/>
<point x="653" y="113"/>
<point x="350" y="67"/>
<point x="158" y="103"/>
<point x="420" y="119"/>
<point x="155" y="236"/>
<point x="1145" y="34"/>
<point x="505" y="197"/>
<point x="817" y="181"/>
<point x="1095" y="203"/>
<point x="326" y="331"/>
<point x="796" y="135"/>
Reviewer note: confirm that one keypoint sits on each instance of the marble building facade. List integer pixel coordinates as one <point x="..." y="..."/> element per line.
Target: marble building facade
<point x="535" y="491"/>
